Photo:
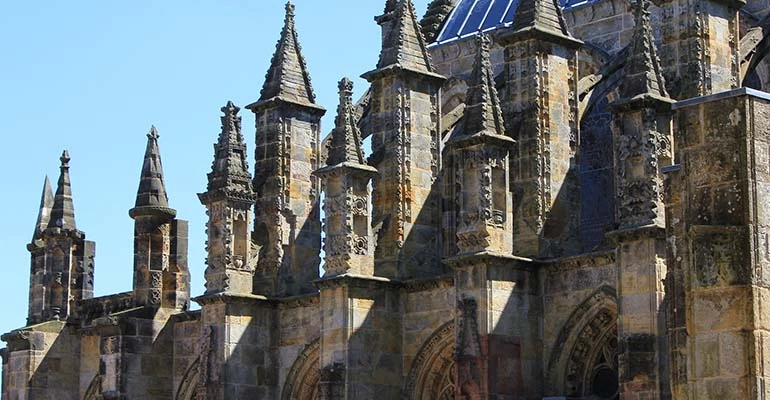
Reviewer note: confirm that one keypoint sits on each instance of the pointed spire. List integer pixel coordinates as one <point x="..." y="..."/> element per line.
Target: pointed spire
<point x="404" y="46"/>
<point x="438" y="12"/>
<point x="63" y="211"/>
<point x="44" y="216"/>
<point x="288" y="78"/>
<point x="345" y="145"/>
<point x="643" y="75"/>
<point x="540" y="16"/>
<point x="230" y="170"/>
<point x="482" y="105"/>
<point x="390" y="6"/>
<point x="151" y="196"/>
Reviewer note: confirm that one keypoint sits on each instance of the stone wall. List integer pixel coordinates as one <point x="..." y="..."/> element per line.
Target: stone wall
<point x="428" y="306"/>
<point x="187" y="349"/>
<point x="298" y="326"/>
<point x="576" y="291"/>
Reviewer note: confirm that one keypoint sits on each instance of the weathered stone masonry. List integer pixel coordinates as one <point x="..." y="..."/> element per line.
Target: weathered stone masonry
<point x="563" y="199"/>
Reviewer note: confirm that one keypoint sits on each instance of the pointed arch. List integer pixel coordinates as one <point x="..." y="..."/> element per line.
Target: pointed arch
<point x="432" y="373"/>
<point x="189" y="382"/>
<point x="588" y="349"/>
<point x="305" y="375"/>
<point x="92" y="393"/>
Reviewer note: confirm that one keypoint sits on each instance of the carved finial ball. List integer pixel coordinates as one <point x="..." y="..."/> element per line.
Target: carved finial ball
<point x="230" y="109"/>
<point x="345" y="85"/>
<point x="65" y="158"/>
<point x="484" y="42"/>
<point x="153" y="134"/>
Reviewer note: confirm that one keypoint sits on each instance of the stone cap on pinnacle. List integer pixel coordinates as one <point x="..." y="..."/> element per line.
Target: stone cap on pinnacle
<point x="44" y="214"/>
<point x="345" y="145"/>
<point x="229" y="176"/>
<point x="482" y="118"/>
<point x="151" y="198"/>
<point x="404" y="46"/>
<point x="345" y="149"/>
<point x="287" y="78"/>
<point x="435" y="17"/>
<point x="643" y="79"/>
<point x="540" y="18"/>
<point x="63" y="210"/>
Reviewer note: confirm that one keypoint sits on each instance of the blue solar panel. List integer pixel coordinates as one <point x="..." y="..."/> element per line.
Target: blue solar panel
<point x="497" y="12"/>
<point x="472" y="16"/>
<point x="511" y="12"/>
<point x="476" y="17"/>
<point x="456" y="20"/>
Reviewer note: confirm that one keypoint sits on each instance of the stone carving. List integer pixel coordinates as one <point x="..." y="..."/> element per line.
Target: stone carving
<point x="469" y="356"/>
<point x="209" y="371"/>
<point x="432" y="375"/>
<point x="303" y="380"/>
<point x="481" y="171"/>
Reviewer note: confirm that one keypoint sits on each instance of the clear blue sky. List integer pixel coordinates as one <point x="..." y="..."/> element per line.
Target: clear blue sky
<point x="92" y="76"/>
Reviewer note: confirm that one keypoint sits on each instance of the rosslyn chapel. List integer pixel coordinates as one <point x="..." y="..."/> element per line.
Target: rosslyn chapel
<point x="561" y="200"/>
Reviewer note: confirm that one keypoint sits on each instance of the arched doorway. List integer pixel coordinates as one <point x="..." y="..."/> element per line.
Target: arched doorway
<point x="585" y="365"/>
<point x="304" y="375"/>
<point x="432" y="374"/>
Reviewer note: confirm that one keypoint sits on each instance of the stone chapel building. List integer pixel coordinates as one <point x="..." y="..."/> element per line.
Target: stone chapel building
<point x="563" y="200"/>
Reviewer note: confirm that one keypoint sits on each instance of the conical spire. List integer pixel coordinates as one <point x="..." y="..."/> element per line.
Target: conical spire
<point x="230" y="170"/>
<point x="482" y="105"/>
<point x="431" y="23"/>
<point x="345" y="143"/>
<point x="643" y="76"/>
<point x="287" y="78"/>
<point x="540" y="15"/>
<point x="151" y="196"/>
<point x="390" y="6"/>
<point x="63" y="211"/>
<point x="46" y="204"/>
<point x="404" y="46"/>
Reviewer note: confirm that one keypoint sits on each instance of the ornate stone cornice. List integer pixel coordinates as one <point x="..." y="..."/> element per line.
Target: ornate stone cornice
<point x="399" y="70"/>
<point x="301" y="301"/>
<point x="580" y="261"/>
<point x="229" y="298"/>
<point x="358" y="281"/>
<point x="422" y="285"/>
<point x="636" y="233"/>
<point x="487" y="257"/>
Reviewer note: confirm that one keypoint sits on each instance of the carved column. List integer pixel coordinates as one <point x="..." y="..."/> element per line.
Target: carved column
<point x="699" y="47"/>
<point x="229" y="199"/>
<point x="642" y="139"/>
<point x="540" y="106"/>
<point x="404" y="119"/>
<point x="287" y="221"/>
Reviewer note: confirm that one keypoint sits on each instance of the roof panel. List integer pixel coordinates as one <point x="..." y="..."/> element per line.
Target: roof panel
<point x="476" y="17"/>
<point x="497" y="13"/>
<point x="473" y="16"/>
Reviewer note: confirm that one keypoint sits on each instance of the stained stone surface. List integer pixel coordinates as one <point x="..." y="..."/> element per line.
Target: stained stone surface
<point x="573" y="204"/>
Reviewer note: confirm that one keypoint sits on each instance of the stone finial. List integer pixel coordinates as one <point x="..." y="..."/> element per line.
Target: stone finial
<point x="44" y="215"/>
<point x="287" y="78"/>
<point x="404" y="46"/>
<point x="151" y="198"/>
<point x="482" y="105"/>
<point x="643" y="75"/>
<point x="230" y="171"/>
<point x="63" y="210"/>
<point x="431" y="23"/>
<point x="345" y="145"/>
<point x="390" y="6"/>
